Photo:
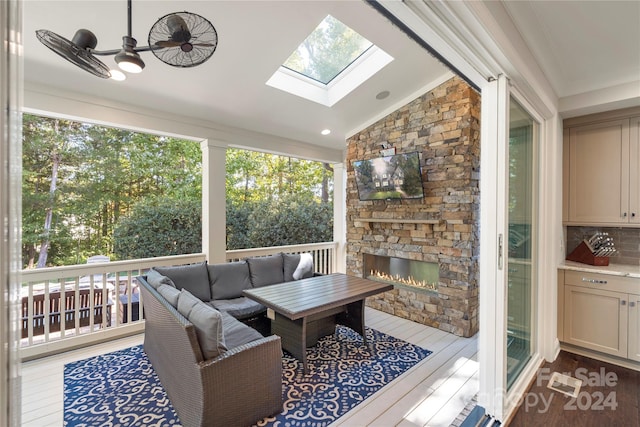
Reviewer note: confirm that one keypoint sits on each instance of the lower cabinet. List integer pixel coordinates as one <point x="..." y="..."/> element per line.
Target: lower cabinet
<point x="600" y="313"/>
<point x="634" y="327"/>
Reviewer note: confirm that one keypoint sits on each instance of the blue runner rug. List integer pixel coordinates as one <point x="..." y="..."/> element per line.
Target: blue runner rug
<point x="122" y="389"/>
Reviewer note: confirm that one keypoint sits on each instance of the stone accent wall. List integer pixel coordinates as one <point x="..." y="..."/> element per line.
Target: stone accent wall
<point x="444" y="126"/>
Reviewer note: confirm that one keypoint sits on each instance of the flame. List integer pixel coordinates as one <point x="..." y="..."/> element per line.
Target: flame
<point x="408" y="281"/>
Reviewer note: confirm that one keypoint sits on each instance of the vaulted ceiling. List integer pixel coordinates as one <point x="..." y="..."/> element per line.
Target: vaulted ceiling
<point x="581" y="46"/>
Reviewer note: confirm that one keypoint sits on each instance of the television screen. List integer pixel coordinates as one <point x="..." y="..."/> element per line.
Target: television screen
<point x="391" y="177"/>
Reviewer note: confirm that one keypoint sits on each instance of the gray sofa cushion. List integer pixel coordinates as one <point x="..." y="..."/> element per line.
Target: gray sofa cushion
<point x="207" y="321"/>
<point x="228" y="280"/>
<point x="266" y="270"/>
<point x="186" y="302"/>
<point x="170" y="293"/>
<point x="237" y="333"/>
<point x="192" y="277"/>
<point x="155" y="279"/>
<point x="240" y="308"/>
<point x="290" y="264"/>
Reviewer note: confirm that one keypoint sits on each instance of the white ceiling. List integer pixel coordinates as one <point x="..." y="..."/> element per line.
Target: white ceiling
<point x="581" y="46"/>
<point x="255" y="38"/>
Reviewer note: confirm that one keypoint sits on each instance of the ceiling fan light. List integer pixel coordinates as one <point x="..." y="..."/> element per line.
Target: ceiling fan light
<point x="128" y="63"/>
<point x="117" y="75"/>
<point x="128" y="59"/>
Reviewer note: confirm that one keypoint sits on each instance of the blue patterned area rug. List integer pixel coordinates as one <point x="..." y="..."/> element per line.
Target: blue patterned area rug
<point x="122" y="389"/>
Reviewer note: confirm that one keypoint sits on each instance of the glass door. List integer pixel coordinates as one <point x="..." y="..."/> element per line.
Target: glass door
<point x="520" y="245"/>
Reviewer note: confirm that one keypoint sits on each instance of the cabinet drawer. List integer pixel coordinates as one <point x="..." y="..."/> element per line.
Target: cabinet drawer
<point x="627" y="285"/>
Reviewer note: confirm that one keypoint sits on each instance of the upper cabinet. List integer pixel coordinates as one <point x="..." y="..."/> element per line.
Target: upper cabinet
<point x="601" y="169"/>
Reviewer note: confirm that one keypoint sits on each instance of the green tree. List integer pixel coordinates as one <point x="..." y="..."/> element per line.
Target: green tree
<point x="290" y="221"/>
<point x="49" y="153"/>
<point x="89" y="190"/>
<point x="159" y="227"/>
<point x="79" y="179"/>
<point x="276" y="200"/>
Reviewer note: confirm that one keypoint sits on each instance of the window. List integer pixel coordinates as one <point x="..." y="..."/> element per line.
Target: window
<point x="330" y="63"/>
<point x="327" y="51"/>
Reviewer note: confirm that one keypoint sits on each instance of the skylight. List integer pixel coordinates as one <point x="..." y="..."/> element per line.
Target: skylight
<point x="327" y="51"/>
<point x="330" y="63"/>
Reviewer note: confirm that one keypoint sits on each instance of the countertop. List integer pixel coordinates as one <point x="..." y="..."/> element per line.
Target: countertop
<point x="612" y="269"/>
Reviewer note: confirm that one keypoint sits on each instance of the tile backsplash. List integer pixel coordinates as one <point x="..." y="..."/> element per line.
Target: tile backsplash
<point x="626" y="240"/>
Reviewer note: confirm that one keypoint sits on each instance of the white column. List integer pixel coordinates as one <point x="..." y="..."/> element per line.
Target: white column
<point x="214" y="215"/>
<point x="551" y="240"/>
<point x="339" y="216"/>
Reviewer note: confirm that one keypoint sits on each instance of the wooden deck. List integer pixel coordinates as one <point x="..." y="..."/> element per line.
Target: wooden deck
<point x="432" y="393"/>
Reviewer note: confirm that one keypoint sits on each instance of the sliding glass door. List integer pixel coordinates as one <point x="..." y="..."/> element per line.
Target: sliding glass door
<point x="521" y="204"/>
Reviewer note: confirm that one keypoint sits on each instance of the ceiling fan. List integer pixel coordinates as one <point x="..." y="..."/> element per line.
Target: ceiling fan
<point x="180" y="39"/>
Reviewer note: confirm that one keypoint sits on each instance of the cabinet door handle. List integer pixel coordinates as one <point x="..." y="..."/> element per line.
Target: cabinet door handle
<point x="633" y="214"/>
<point x="624" y="215"/>
<point x="632" y="303"/>
<point x="599" y="282"/>
<point x="623" y="302"/>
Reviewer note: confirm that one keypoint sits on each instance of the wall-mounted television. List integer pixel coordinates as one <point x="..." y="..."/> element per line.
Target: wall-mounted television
<point x="390" y="177"/>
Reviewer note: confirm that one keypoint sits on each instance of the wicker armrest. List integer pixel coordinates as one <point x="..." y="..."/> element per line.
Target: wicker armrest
<point x="244" y="384"/>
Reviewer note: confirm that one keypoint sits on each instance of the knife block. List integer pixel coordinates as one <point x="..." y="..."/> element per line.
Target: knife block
<point x="584" y="255"/>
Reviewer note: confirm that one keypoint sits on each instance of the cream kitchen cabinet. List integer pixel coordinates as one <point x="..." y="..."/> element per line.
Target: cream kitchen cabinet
<point x="600" y="313"/>
<point x="634" y="328"/>
<point x="602" y="179"/>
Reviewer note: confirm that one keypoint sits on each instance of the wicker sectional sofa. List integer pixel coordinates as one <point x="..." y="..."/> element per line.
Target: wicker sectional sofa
<point x="216" y="369"/>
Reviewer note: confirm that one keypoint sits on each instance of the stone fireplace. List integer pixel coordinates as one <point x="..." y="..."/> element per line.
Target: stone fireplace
<point x="440" y="229"/>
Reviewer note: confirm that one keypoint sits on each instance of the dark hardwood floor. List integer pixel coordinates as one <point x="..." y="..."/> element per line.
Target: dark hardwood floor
<point x="609" y="396"/>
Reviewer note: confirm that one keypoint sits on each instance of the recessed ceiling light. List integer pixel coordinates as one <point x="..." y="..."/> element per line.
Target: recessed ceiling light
<point x="326" y="132"/>
<point x="383" y="94"/>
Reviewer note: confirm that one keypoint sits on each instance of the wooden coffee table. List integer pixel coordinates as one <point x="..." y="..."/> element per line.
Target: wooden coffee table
<point x="304" y="310"/>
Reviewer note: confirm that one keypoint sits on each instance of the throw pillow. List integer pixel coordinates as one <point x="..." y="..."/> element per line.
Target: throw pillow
<point x="305" y="267"/>
<point x="192" y="277"/>
<point x="170" y="293"/>
<point x="208" y="323"/>
<point x="291" y="262"/>
<point x="266" y="270"/>
<point x="155" y="279"/>
<point x="229" y="279"/>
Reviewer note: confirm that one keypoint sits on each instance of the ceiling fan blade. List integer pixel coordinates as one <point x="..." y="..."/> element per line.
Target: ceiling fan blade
<point x="168" y="43"/>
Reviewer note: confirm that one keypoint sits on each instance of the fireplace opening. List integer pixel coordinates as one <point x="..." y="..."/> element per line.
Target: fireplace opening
<point x="401" y="272"/>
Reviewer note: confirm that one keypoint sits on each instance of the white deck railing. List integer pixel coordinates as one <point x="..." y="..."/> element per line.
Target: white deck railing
<point x="73" y="306"/>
